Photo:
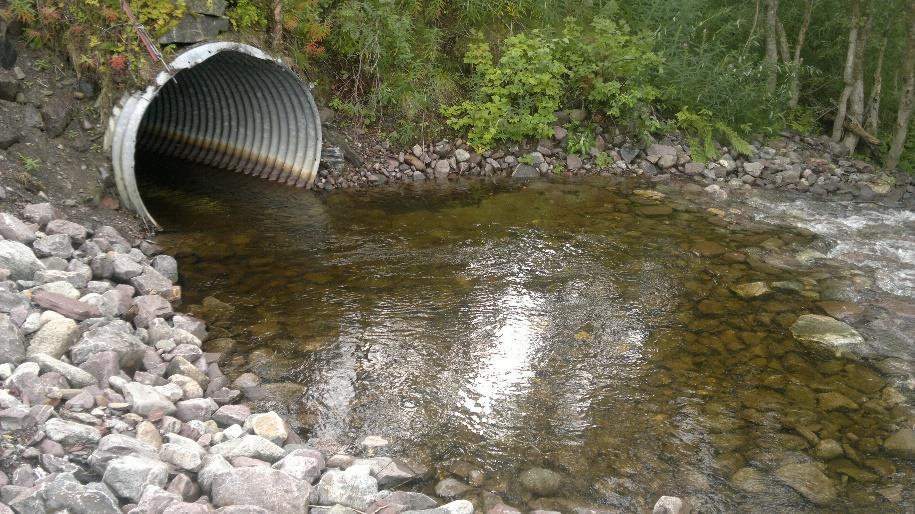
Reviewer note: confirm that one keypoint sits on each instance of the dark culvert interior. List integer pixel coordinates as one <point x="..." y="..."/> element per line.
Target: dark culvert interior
<point x="226" y="108"/>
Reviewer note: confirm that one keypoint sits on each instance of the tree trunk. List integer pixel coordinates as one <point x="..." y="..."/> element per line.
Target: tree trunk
<point x="794" y="85"/>
<point x="872" y="115"/>
<point x="848" y="74"/>
<point x="276" y="38"/>
<point x="856" y="100"/>
<point x="772" y="45"/>
<point x="907" y="96"/>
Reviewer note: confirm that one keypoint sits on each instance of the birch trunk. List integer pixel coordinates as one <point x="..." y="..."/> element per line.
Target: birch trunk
<point x="872" y="115"/>
<point x="907" y="96"/>
<point x="848" y="75"/>
<point x="856" y="100"/>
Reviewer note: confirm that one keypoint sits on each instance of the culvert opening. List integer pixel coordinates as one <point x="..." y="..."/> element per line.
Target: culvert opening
<point x="224" y="105"/>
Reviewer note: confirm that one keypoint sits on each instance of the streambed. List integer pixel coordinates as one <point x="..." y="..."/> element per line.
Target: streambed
<point x="589" y="327"/>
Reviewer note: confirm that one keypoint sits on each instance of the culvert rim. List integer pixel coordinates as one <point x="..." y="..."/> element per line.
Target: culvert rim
<point x="289" y="151"/>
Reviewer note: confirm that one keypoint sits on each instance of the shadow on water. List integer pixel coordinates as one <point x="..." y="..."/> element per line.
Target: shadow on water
<point x="591" y="328"/>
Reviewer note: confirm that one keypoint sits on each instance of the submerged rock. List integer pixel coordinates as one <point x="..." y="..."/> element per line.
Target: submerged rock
<point x="540" y="481"/>
<point x="809" y="481"/>
<point x="813" y="328"/>
<point x="901" y="443"/>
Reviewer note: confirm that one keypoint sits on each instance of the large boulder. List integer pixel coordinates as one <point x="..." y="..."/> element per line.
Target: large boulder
<point x="249" y="446"/>
<point x="128" y="476"/>
<point x="15" y="229"/>
<point x="353" y="488"/>
<point x="54" y="338"/>
<point x="115" y="337"/>
<point x="146" y="401"/>
<point x="263" y="487"/>
<point x="113" y="446"/>
<point x="70" y="433"/>
<point x="19" y="259"/>
<point x="813" y="328"/>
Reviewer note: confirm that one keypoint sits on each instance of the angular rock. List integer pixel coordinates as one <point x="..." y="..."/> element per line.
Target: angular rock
<point x="228" y="415"/>
<point x="70" y="433"/>
<point x="40" y="213"/>
<point x="14" y="229"/>
<point x="400" y="501"/>
<point x="670" y="505"/>
<point x="54" y="338"/>
<point x="451" y="488"/>
<point x="249" y="446"/>
<point x="301" y="464"/>
<point x="180" y="366"/>
<point x="146" y="401"/>
<point x="113" y="446"/>
<point x="128" y="476"/>
<point x="352" y="488"/>
<point x="114" y="337"/>
<point x="263" y="487"/>
<point x="268" y="425"/>
<point x="749" y="290"/>
<point x="213" y="466"/>
<point x="197" y="409"/>
<point x="58" y="245"/>
<point x="19" y="260"/>
<point x="149" y="307"/>
<point x="12" y="344"/>
<point x="182" y="456"/>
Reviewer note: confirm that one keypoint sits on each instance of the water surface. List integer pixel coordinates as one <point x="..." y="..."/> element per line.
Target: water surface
<point x="588" y="327"/>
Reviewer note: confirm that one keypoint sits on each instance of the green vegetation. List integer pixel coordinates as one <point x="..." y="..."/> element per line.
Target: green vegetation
<point x="721" y="71"/>
<point x="31" y="164"/>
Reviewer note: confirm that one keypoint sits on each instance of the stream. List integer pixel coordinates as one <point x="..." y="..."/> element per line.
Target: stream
<point x="589" y="327"/>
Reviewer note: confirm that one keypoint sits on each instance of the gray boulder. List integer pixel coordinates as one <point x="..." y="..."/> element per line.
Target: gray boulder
<point x="70" y="433"/>
<point x="76" y="231"/>
<point x="77" y="378"/>
<point x="14" y="229"/>
<point x="263" y="487"/>
<point x="353" y="487"/>
<point x="813" y="328"/>
<point x="113" y="446"/>
<point x="58" y="245"/>
<point x="249" y="446"/>
<point x="19" y="259"/>
<point x="110" y="337"/>
<point x="128" y="476"/>
<point x="145" y="400"/>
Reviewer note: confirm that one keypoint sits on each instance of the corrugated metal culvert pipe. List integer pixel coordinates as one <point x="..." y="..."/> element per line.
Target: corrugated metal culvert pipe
<point x="225" y="105"/>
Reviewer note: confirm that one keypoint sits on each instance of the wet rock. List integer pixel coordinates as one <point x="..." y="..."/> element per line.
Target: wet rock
<point x="392" y="472"/>
<point x="19" y="260"/>
<point x="751" y="290"/>
<point x="655" y="210"/>
<point x="400" y="501"/>
<point x="901" y="443"/>
<point x="540" y="481"/>
<point x="69" y="433"/>
<point x="813" y="328"/>
<point x="129" y="476"/>
<point x="54" y="338"/>
<point x="828" y="449"/>
<point x="708" y="248"/>
<point x="525" y="171"/>
<point x="451" y="488"/>
<point x="670" y="505"/>
<point x="263" y="487"/>
<point x="809" y="481"/>
<point x="835" y="401"/>
<point x="352" y="488"/>
<point x="455" y="507"/>
<point x="749" y="480"/>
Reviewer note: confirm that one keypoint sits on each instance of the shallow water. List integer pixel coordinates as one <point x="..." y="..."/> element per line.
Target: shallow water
<point x="585" y="327"/>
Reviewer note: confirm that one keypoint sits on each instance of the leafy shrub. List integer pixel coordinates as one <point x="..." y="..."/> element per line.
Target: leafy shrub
<point x="247" y="14"/>
<point x="514" y="98"/>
